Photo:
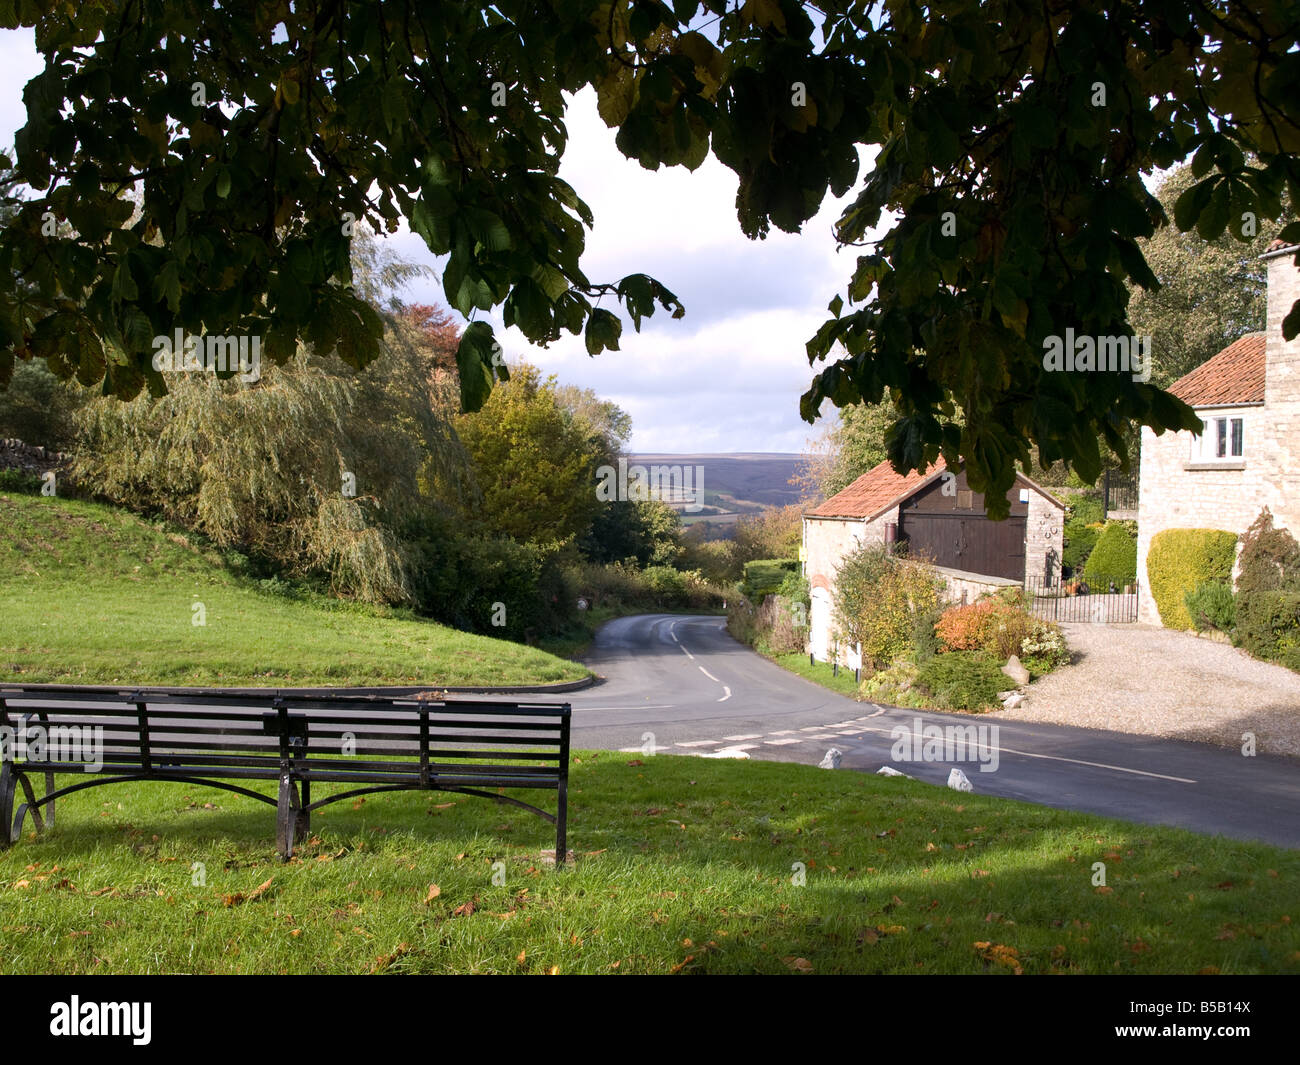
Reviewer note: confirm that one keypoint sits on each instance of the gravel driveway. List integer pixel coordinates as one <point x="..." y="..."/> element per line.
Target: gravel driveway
<point x="1160" y="682"/>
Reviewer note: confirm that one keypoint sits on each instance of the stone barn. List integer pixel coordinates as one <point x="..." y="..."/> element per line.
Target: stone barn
<point x="938" y="517"/>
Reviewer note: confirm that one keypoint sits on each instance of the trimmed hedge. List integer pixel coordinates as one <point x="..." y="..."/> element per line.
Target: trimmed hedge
<point x="1181" y="559"/>
<point x="764" y="576"/>
<point x="1114" y="558"/>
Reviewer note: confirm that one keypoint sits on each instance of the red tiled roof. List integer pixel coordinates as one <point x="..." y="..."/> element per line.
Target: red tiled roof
<point x="1235" y="375"/>
<point x="873" y="492"/>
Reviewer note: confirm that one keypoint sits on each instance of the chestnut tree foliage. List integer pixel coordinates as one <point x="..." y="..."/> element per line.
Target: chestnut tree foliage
<point x="999" y="145"/>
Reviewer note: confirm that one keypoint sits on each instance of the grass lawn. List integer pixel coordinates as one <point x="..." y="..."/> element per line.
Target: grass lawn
<point x="94" y="595"/>
<point x="683" y="865"/>
<point x="820" y="673"/>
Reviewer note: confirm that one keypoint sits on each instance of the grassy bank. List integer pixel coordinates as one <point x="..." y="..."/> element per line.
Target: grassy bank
<point x="820" y="673"/>
<point x="93" y="595"/>
<point x="682" y="865"/>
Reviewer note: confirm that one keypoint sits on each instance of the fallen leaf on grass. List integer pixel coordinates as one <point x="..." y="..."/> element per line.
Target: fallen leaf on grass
<point x="1000" y="954"/>
<point x="434" y="892"/>
<point x="238" y="897"/>
<point x="465" y="909"/>
<point x="636" y="762"/>
<point x="799" y="965"/>
<point x="385" y="960"/>
<point x="523" y="955"/>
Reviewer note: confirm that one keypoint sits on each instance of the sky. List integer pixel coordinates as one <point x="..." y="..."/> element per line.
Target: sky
<point x="726" y="377"/>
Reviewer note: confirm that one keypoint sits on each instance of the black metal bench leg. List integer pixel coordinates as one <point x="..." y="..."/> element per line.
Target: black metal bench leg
<point x="49" y="806"/>
<point x="21" y="815"/>
<point x="562" y="827"/>
<point x="302" y="825"/>
<point x="7" y="785"/>
<point x="286" y="816"/>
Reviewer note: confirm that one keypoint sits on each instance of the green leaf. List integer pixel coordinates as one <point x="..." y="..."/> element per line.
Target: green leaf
<point x="603" y="331"/>
<point x="474" y="362"/>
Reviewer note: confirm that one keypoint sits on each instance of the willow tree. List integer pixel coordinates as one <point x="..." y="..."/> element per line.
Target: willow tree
<point x="314" y="466"/>
<point x="1002" y="203"/>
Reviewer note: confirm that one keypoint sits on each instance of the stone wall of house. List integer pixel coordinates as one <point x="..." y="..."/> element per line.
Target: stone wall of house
<point x="1280" y="433"/>
<point x="1170" y="496"/>
<point x="828" y="540"/>
<point x="1044" y="535"/>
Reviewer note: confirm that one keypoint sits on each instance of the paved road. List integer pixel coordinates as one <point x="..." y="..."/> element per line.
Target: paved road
<point x="698" y="691"/>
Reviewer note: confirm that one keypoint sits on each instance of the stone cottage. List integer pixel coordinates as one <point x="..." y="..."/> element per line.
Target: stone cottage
<point x="939" y="517"/>
<point x="1248" y="456"/>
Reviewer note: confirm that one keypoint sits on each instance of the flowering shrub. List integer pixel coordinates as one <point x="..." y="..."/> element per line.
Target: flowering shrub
<point x="988" y="625"/>
<point x="1044" y="648"/>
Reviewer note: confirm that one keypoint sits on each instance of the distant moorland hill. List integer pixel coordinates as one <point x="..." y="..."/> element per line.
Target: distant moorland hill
<point x="734" y="484"/>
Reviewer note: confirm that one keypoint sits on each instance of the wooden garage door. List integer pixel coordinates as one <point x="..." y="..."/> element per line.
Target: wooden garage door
<point x="967" y="541"/>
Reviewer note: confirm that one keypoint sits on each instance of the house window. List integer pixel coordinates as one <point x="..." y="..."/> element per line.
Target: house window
<point x="1224" y="440"/>
<point x="965" y="499"/>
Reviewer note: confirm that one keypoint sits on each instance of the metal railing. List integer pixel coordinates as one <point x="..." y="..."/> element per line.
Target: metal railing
<point x="1106" y="601"/>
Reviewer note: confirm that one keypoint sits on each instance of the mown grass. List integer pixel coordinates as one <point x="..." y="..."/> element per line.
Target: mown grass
<point x="681" y="865"/>
<point x="94" y="595"/>
<point x="820" y="673"/>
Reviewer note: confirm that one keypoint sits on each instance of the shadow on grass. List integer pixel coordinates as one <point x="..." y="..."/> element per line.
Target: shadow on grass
<point x="690" y="866"/>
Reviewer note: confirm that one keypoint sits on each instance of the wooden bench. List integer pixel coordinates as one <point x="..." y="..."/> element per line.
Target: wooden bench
<point x="217" y="738"/>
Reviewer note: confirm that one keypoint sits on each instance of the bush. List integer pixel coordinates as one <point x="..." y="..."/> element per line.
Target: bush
<point x="1181" y="559"/>
<point x="895" y="686"/>
<point x="877" y="600"/>
<point x="963" y="680"/>
<point x="1114" y="558"/>
<point x="20" y="482"/>
<point x="763" y="576"/>
<point x="988" y="624"/>
<point x="1080" y="539"/>
<point x="782" y="626"/>
<point x="1044" y="648"/>
<point x="1087" y="511"/>
<point x="1268" y="624"/>
<point x="1212" y="606"/>
<point x="1269" y="561"/>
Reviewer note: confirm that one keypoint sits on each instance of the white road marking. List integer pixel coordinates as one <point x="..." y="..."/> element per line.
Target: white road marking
<point x="727" y="696"/>
<point x="813" y="728"/>
<point x="1074" y="761"/>
<point x="709" y="675"/>
<point x="783" y="732"/>
<point x="726" y="752"/>
<point x="652" y="706"/>
<point x="747" y="736"/>
<point x="699" y="743"/>
<point x="780" y="743"/>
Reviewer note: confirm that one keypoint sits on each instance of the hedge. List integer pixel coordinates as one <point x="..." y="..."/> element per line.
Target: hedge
<point x="1181" y="559"/>
<point x="764" y="576"/>
<point x="1113" y="559"/>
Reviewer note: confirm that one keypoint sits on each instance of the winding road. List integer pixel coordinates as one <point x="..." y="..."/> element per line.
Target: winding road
<point x="683" y="685"/>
